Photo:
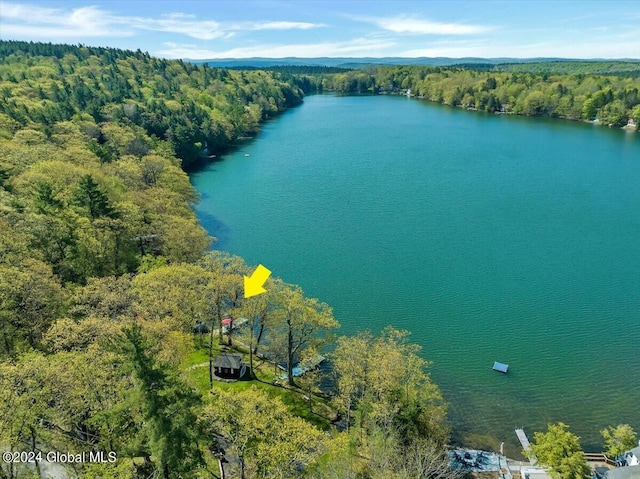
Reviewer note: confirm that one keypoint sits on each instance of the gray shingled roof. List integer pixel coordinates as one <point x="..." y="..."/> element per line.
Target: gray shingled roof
<point x="626" y="472"/>
<point x="228" y="360"/>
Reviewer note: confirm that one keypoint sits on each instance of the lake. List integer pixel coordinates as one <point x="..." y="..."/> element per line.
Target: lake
<point x="489" y="237"/>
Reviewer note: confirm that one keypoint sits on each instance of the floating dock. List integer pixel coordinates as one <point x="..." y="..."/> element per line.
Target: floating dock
<point x="503" y="368"/>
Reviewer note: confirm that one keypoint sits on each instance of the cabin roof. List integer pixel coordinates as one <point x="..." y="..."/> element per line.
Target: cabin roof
<point x="228" y="360"/>
<point x="626" y="472"/>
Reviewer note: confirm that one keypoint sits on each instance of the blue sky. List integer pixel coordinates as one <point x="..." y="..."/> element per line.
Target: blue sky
<point x="271" y="28"/>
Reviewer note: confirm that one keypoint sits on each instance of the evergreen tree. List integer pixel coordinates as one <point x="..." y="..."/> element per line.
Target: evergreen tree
<point x="169" y="431"/>
<point x="89" y="195"/>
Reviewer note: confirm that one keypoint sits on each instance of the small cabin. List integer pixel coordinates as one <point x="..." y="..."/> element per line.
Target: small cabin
<point x="229" y="366"/>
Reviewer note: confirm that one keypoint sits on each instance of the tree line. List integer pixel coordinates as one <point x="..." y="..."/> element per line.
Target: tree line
<point x="570" y="67"/>
<point x="522" y="90"/>
<point x="582" y="67"/>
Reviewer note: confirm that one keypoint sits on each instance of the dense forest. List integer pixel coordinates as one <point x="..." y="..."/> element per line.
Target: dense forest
<point x="609" y="99"/>
<point x="199" y="110"/>
<point x="569" y="67"/>
<point x="104" y="271"/>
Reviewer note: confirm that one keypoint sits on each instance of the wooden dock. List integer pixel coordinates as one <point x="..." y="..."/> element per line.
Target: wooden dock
<point x="526" y="445"/>
<point x="600" y="458"/>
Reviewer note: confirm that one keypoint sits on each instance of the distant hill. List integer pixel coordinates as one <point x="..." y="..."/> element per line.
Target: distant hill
<point x="627" y="68"/>
<point x="346" y="62"/>
<point x="295" y="69"/>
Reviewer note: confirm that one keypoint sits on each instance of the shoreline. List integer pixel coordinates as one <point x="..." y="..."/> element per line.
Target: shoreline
<point x="627" y="127"/>
<point x="461" y="436"/>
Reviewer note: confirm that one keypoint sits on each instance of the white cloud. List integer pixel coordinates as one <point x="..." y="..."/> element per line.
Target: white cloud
<point x="179" y="23"/>
<point x="579" y="50"/>
<point x="182" y="50"/>
<point x="414" y="25"/>
<point x="19" y="12"/>
<point x="279" y="25"/>
<point x="24" y="20"/>
<point x="44" y="22"/>
<point x="354" y="48"/>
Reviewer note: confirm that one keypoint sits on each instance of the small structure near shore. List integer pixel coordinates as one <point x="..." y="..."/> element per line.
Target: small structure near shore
<point x="301" y="368"/>
<point x="229" y="366"/>
<point x="534" y="472"/>
<point x="230" y="324"/>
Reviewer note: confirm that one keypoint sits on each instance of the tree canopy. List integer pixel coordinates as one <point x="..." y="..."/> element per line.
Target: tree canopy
<point x="560" y="451"/>
<point x="619" y="439"/>
<point x="200" y="110"/>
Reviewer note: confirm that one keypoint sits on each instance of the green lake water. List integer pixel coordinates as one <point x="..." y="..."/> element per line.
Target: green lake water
<point x="488" y="237"/>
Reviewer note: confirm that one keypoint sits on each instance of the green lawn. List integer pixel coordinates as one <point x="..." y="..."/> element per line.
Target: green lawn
<point x="196" y="357"/>
<point x="293" y="398"/>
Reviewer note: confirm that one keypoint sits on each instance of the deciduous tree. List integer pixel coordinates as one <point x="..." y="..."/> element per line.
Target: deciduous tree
<point x="175" y="293"/>
<point x="30" y="298"/>
<point x="267" y="439"/>
<point x="305" y="322"/>
<point x="386" y="381"/>
<point x="560" y="451"/>
<point x="619" y="439"/>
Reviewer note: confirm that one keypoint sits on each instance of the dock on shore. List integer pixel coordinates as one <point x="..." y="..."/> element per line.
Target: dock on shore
<point x="526" y="445"/>
<point x="301" y="368"/>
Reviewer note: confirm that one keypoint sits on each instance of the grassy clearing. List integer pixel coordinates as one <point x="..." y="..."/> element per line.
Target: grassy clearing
<point x="320" y="416"/>
<point x="294" y="398"/>
<point x="199" y="378"/>
<point x="198" y="356"/>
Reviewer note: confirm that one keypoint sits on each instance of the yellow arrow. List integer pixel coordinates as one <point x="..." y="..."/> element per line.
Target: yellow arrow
<point x="253" y="284"/>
